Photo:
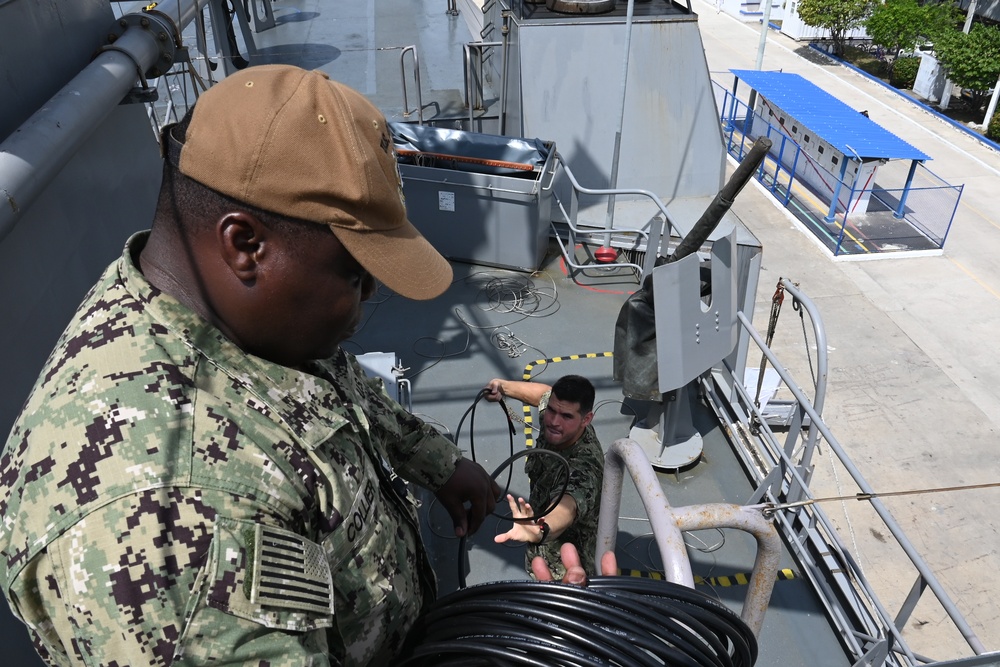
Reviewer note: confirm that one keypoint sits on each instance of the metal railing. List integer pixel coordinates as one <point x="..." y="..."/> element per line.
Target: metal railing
<point x="782" y="478"/>
<point x="416" y="77"/>
<point x="474" y="75"/>
<point x="650" y="240"/>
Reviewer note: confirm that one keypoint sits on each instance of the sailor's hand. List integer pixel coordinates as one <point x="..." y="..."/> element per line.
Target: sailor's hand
<point x="522" y="531"/>
<point x="468" y="495"/>
<point x="575" y="574"/>
<point x="494" y="390"/>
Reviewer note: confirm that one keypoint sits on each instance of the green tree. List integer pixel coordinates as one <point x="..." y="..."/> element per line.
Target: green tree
<point x="899" y="25"/>
<point x="993" y="129"/>
<point x="837" y="16"/>
<point x="972" y="60"/>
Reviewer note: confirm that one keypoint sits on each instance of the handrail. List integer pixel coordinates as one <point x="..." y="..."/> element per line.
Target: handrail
<point x="653" y="236"/>
<point x="831" y="540"/>
<point x="822" y="364"/>
<point x="668" y="523"/>
<point x="915" y="558"/>
<point x="472" y="186"/>
<point x="474" y="102"/>
<point x="416" y="76"/>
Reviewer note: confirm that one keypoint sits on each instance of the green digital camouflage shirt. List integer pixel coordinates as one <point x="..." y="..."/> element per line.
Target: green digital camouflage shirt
<point x="169" y="499"/>
<point x="546" y="475"/>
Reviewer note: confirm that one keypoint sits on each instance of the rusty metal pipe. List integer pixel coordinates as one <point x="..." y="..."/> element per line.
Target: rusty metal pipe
<point x="668" y="523"/>
<point x="627" y="453"/>
<point x="765" y="567"/>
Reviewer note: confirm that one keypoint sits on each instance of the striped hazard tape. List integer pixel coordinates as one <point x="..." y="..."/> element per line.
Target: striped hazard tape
<point x="738" y="579"/>
<point x="528" y="419"/>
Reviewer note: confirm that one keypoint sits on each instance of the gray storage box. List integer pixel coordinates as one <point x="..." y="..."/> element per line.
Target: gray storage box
<point x="495" y="219"/>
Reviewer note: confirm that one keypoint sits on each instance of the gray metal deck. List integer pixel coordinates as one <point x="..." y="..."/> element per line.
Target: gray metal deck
<point x="450" y="361"/>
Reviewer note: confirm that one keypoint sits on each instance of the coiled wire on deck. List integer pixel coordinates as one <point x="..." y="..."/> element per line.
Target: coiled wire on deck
<point x="625" y="621"/>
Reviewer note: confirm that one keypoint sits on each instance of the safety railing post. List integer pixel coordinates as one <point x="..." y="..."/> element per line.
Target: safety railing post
<point x="416" y="77"/>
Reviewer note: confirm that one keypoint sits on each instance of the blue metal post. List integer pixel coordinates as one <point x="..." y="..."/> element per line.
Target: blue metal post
<point x="748" y="124"/>
<point x="836" y="193"/>
<point x="778" y="163"/>
<point x="906" y="190"/>
<point x="791" y="174"/>
<point x="850" y="196"/>
<point x="731" y="121"/>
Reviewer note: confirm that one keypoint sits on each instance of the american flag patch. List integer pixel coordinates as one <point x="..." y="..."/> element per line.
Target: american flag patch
<point x="290" y="572"/>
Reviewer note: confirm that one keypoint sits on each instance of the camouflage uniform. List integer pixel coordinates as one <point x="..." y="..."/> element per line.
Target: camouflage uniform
<point x="169" y="499"/>
<point x="546" y="474"/>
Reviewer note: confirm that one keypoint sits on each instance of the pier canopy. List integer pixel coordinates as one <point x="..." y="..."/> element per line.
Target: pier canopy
<point x="843" y="127"/>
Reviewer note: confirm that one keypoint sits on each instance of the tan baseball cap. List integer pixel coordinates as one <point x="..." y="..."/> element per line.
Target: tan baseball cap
<point x="298" y="144"/>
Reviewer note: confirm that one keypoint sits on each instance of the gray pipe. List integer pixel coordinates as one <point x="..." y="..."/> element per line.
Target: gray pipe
<point x="668" y="523"/>
<point x="34" y="154"/>
<point x="625" y="453"/>
<point x="765" y="566"/>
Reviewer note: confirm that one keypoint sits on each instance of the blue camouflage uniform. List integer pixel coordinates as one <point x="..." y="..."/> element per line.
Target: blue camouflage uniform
<point x="169" y="499"/>
<point x="586" y="465"/>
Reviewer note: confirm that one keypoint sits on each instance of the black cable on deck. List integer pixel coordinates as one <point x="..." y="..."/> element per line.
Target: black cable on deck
<point x="620" y="621"/>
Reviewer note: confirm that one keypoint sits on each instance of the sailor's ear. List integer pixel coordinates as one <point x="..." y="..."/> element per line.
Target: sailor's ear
<point x="587" y="418"/>
<point x="243" y="243"/>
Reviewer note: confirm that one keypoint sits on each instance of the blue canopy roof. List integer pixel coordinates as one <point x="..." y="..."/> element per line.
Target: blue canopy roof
<point x="844" y="128"/>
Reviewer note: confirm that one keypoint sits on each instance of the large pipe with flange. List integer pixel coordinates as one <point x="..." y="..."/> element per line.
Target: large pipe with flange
<point x="140" y="45"/>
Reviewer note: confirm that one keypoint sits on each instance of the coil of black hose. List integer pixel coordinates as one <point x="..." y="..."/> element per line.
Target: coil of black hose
<point x="623" y="621"/>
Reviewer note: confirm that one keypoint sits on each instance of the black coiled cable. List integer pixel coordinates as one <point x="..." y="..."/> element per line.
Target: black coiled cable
<point x="506" y="465"/>
<point x="623" y="621"/>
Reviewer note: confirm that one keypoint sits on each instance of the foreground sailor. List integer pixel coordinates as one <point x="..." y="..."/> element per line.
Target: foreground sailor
<point x="201" y="474"/>
<point x="566" y="410"/>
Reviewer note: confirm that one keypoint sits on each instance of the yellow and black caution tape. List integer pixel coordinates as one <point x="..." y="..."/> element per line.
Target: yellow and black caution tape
<point x="738" y="579"/>
<point x="529" y="428"/>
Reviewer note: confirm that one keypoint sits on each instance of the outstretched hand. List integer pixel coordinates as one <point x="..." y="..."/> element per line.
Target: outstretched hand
<point x="520" y="532"/>
<point x="575" y="574"/>
<point x="468" y="485"/>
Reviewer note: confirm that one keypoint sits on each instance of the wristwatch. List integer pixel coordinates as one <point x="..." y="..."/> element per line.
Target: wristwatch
<point x="545" y="530"/>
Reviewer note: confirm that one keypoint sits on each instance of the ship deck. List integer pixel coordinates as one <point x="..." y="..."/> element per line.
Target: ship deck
<point x="495" y="322"/>
<point x="448" y="348"/>
<point x="896" y="399"/>
<point x="451" y="348"/>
